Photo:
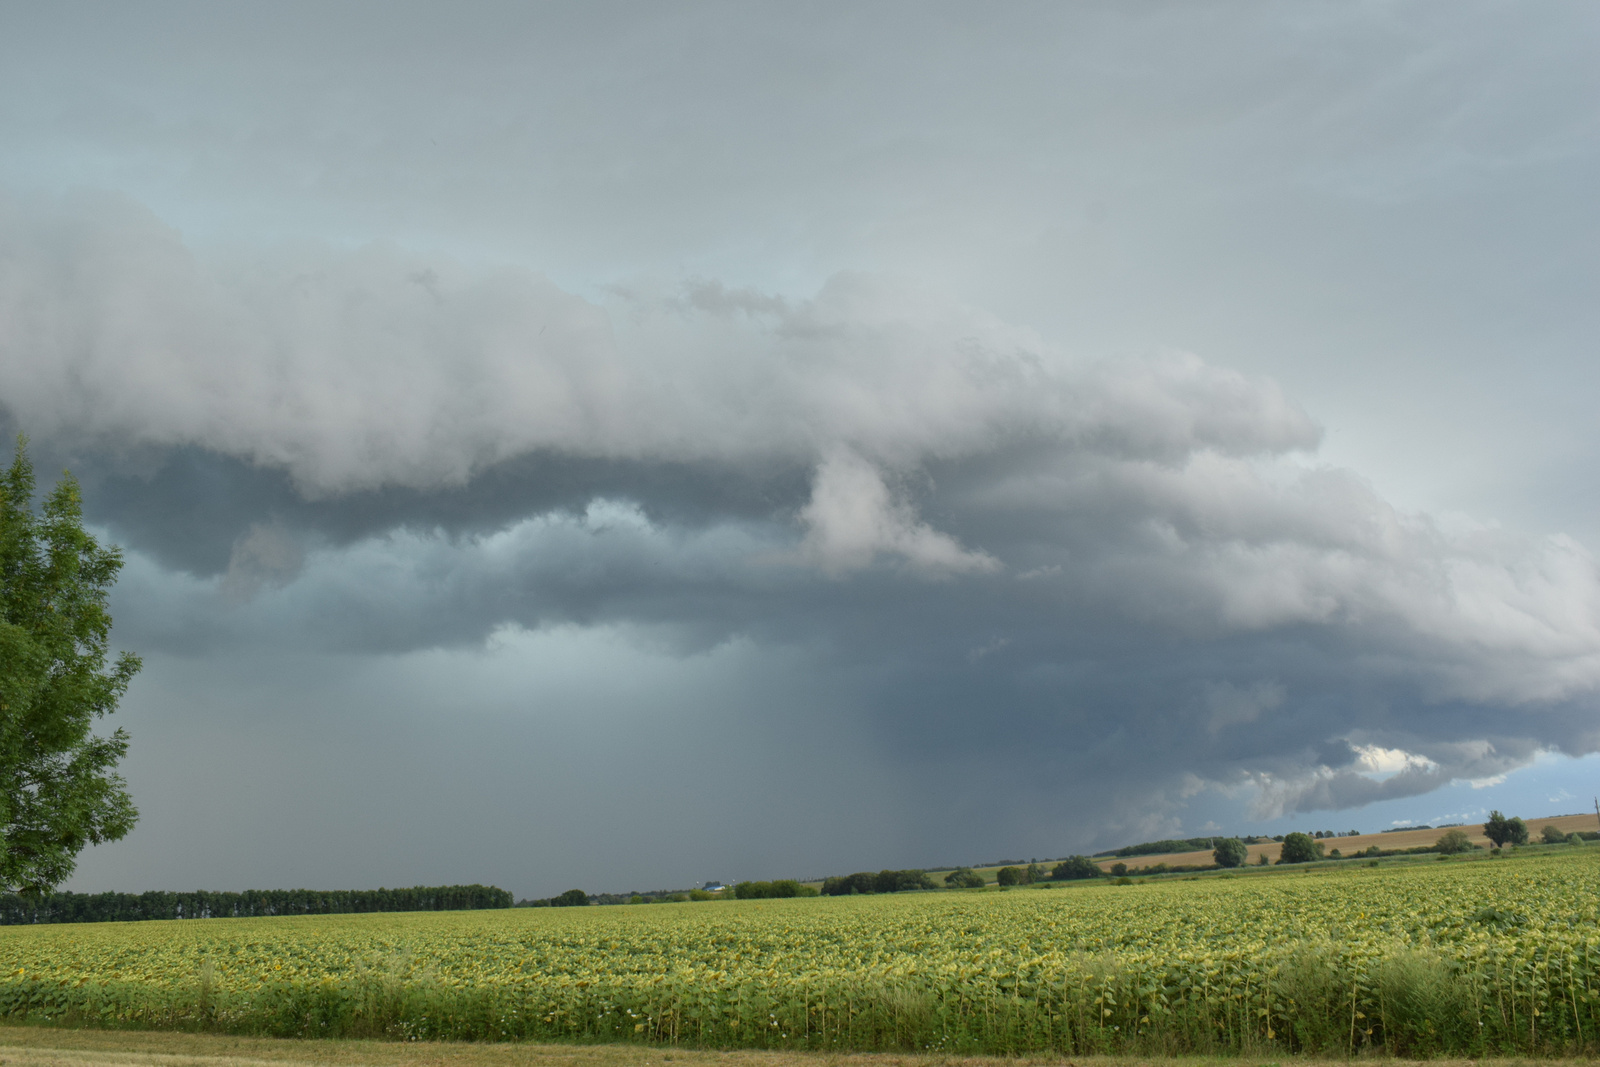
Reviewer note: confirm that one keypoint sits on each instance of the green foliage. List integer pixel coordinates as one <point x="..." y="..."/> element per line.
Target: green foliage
<point x="1552" y="836"/>
<point x="252" y="903"/>
<point x="882" y="882"/>
<point x="1299" y="848"/>
<point x="1452" y="842"/>
<point x="783" y="887"/>
<point x="572" y="898"/>
<point x="1119" y="869"/>
<point x="964" y="878"/>
<point x="1008" y="876"/>
<point x="850" y="884"/>
<point x="1076" y="867"/>
<point x="1155" y="848"/>
<point x="701" y="894"/>
<point x="903" y="881"/>
<point x="1405" y="963"/>
<point x="1262" y="861"/>
<point x="58" y="788"/>
<point x="1230" y="852"/>
<point x="1032" y="873"/>
<point x="1503" y="831"/>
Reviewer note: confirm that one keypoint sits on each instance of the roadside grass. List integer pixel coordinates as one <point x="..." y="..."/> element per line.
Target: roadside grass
<point x="36" y="1046"/>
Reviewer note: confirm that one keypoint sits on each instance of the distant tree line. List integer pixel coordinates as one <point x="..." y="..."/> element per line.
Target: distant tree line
<point x="882" y="882"/>
<point x="1156" y="848"/>
<point x="782" y="887"/>
<point x="67" y="907"/>
<point x="570" y="899"/>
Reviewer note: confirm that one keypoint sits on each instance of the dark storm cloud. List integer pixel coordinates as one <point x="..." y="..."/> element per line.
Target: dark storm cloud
<point x="1036" y="561"/>
<point x="925" y="547"/>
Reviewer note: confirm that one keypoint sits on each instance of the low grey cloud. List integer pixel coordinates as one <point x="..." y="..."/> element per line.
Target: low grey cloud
<point x="1157" y="567"/>
<point x="895" y="433"/>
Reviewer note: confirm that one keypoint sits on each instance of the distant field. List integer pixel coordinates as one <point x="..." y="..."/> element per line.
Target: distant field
<point x="1406" y="958"/>
<point x="1349" y="845"/>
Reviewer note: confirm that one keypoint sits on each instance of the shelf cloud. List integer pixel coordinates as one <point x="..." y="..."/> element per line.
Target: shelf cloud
<point x="1147" y="540"/>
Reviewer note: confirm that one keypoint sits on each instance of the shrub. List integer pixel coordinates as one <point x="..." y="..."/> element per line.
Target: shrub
<point x="1452" y="842"/>
<point x="572" y="898"/>
<point x="1008" y="876"/>
<point x="1552" y="836"/>
<point x="964" y="878"/>
<point x="1503" y="831"/>
<point x="1299" y="848"/>
<point x="783" y="887"/>
<point x="860" y="882"/>
<point x="882" y="882"/>
<point x="701" y="894"/>
<point x="1119" y="869"/>
<point x="1076" y="867"/>
<point x="1230" y="852"/>
<point x="902" y="881"/>
<point x="1262" y="861"/>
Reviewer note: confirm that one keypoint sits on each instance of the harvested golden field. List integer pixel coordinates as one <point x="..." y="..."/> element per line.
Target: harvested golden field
<point x="1351" y="845"/>
<point x="1462" y="956"/>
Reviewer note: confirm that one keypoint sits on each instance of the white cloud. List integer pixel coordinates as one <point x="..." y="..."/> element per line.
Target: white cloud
<point x="853" y="517"/>
<point x="266" y="555"/>
<point x="357" y="369"/>
<point x="1379" y="763"/>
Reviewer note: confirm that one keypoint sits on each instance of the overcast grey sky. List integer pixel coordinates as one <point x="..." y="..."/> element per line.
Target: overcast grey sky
<point x="625" y="445"/>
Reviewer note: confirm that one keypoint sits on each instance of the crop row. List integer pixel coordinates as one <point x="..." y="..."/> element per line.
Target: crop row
<point x="1462" y="957"/>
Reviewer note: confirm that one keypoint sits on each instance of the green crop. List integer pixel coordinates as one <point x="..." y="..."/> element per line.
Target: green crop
<point x="1465" y="957"/>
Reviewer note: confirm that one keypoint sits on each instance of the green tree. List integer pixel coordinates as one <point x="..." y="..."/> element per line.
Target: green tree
<point x="1299" y="848"/>
<point x="1230" y="852"/>
<point x="1503" y="831"/>
<point x="964" y="878"/>
<point x="1008" y="876"/>
<point x="1552" y="836"/>
<point x="1074" y="867"/>
<point x="1033" y="873"/>
<point x="572" y="898"/>
<point x="1452" y="842"/>
<point x="58" y="787"/>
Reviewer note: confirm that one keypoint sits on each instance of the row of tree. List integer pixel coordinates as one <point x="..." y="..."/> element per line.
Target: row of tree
<point x="882" y="882"/>
<point x="572" y="898"/>
<point x="70" y="907"/>
<point x="782" y="887"/>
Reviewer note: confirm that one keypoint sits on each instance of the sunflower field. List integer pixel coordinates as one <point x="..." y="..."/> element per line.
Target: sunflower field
<point x="1461" y="957"/>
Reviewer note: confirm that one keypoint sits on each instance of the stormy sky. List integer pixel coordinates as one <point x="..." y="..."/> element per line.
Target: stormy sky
<point x="623" y="445"/>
